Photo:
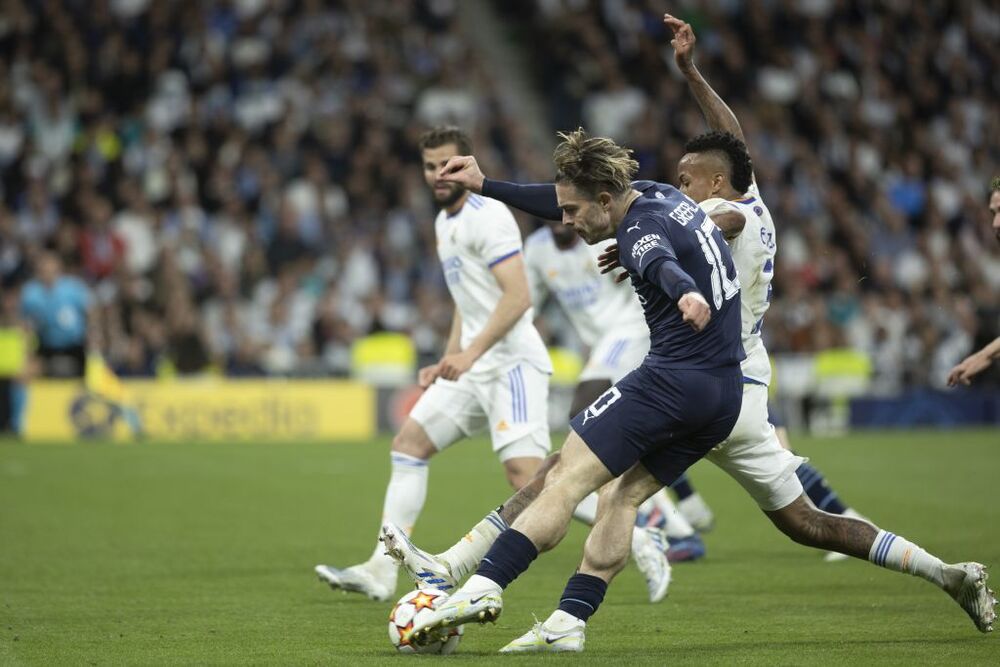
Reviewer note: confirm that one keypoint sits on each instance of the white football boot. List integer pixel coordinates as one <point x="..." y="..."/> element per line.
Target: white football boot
<point x="697" y="512"/>
<point x="540" y="639"/>
<point x="968" y="588"/>
<point x="836" y="556"/>
<point x="462" y="607"/>
<point x="426" y="570"/>
<point x="360" y="578"/>
<point x="649" y="547"/>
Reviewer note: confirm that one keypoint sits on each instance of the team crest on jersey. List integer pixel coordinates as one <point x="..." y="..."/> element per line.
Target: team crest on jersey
<point x="452" y="267"/>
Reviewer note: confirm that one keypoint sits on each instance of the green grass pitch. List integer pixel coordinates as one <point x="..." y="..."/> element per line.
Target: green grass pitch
<point x="203" y="554"/>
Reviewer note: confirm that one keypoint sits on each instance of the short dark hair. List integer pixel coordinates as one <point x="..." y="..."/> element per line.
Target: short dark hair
<point x="995" y="185"/>
<point x="732" y="149"/>
<point x="593" y="164"/>
<point x="446" y="134"/>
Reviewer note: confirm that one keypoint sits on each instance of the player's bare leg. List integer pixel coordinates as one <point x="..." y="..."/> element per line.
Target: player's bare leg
<point x="964" y="582"/>
<point x="815" y="486"/>
<point x="522" y="470"/>
<point x="404" y="499"/>
<point x="605" y="555"/>
<point x="539" y="528"/>
<point x="446" y="570"/>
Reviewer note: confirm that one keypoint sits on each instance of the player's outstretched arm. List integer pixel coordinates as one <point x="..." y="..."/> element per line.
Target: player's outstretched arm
<point x="974" y="364"/>
<point x="717" y="113"/>
<point x="537" y="199"/>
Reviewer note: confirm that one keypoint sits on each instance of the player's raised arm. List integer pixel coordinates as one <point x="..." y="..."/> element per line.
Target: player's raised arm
<point x="537" y="199"/>
<point x="717" y="113"/>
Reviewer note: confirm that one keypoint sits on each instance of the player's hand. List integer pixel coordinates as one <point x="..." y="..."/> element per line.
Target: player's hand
<point x="452" y="366"/>
<point x="608" y="261"/>
<point x="683" y="41"/>
<point x="465" y="171"/>
<point x="427" y="375"/>
<point x="695" y="310"/>
<point x="970" y="367"/>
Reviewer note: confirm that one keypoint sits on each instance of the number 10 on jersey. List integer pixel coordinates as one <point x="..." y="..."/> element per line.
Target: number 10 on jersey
<point x="724" y="288"/>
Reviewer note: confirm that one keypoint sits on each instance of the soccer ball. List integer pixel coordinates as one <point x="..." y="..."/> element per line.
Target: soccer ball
<point x="412" y="607"/>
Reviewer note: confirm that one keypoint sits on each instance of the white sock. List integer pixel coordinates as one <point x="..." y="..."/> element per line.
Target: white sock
<point x="899" y="554"/>
<point x="480" y="584"/>
<point x="464" y="556"/>
<point x="677" y="526"/>
<point x="560" y="621"/>
<point x="586" y="511"/>
<point x="404" y="498"/>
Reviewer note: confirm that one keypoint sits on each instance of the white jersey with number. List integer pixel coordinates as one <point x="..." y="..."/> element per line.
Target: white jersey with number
<point x="753" y="254"/>
<point x="597" y="306"/>
<point x="470" y="243"/>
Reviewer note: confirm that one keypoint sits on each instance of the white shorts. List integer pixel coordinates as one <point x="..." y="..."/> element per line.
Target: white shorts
<point x="753" y="456"/>
<point x="513" y="404"/>
<point x="615" y="356"/>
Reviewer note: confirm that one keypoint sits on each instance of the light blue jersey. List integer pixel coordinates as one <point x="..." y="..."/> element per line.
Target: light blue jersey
<point x="59" y="313"/>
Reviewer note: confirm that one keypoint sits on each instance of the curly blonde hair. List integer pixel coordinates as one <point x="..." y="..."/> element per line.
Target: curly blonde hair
<point x="593" y="164"/>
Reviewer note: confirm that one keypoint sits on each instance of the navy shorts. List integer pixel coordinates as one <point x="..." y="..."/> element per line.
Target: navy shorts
<point x="666" y="419"/>
<point x="775" y="415"/>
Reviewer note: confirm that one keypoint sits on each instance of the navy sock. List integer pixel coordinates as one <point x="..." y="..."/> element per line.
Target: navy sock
<point x="682" y="487"/>
<point x="583" y="595"/>
<point x="509" y="556"/>
<point x="818" y="491"/>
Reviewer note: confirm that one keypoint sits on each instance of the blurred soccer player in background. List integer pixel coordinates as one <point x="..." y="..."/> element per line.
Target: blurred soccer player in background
<point x="60" y="308"/>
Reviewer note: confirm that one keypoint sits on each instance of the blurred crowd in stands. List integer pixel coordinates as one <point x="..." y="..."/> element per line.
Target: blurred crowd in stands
<point x="233" y="186"/>
<point x="872" y="126"/>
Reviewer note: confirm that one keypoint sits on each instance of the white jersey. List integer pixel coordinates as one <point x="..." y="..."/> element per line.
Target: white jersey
<point x="596" y="305"/>
<point x="753" y="254"/>
<point x="469" y="243"/>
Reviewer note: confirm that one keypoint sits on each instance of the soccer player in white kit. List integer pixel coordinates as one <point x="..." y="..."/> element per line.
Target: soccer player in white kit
<point x="494" y="373"/>
<point x="604" y="313"/>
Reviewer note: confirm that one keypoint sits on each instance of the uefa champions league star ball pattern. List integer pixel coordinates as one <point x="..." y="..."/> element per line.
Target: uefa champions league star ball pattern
<point x="411" y="608"/>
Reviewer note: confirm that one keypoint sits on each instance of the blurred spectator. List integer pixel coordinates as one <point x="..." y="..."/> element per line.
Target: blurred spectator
<point x="238" y="181"/>
<point x="867" y="126"/>
<point x="101" y="249"/>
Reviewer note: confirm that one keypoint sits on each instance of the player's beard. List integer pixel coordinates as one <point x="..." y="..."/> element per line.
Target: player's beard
<point x="564" y="237"/>
<point x="454" y="193"/>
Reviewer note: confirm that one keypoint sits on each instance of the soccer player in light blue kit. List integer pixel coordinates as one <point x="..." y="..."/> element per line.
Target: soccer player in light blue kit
<point x="60" y="308"/>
